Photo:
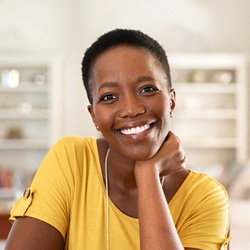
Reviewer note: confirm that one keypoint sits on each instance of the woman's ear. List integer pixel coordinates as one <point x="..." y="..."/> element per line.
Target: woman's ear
<point x="91" y="111"/>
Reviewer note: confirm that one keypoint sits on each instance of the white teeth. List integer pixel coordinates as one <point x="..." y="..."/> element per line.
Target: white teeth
<point x="135" y="130"/>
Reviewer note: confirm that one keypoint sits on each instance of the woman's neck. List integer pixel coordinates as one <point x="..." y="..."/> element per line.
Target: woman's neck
<point x="122" y="189"/>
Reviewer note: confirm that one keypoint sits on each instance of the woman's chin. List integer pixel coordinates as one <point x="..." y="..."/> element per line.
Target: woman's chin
<point x="142" y="155"/>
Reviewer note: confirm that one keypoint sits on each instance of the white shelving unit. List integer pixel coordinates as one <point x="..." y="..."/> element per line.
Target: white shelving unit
<point x="30" y="116"/>
<point x="212" y="107"/>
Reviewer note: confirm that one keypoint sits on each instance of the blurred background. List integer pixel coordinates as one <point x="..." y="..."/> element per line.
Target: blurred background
<point x="42" y="98"/>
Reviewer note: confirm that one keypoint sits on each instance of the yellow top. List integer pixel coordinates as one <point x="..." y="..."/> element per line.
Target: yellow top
<point x="68" y="192"/>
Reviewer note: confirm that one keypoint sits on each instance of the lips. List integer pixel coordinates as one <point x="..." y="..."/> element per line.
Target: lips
<point x="135" y="130"/>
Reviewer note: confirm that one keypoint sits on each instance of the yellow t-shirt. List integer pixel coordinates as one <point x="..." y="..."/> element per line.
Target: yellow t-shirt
<point x="68" y="192"/>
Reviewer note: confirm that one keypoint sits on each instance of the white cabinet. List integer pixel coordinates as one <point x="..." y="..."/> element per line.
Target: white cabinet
<point x="211" y="112"/>
<point x="30" y="114"/>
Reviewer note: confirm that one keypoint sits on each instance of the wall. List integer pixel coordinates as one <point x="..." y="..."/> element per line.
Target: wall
<point x="186" y="25"/>
<point x="67" y="27"/>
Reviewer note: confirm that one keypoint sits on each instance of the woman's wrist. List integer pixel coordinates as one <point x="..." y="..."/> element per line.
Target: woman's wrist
<point x="145" y="172"/>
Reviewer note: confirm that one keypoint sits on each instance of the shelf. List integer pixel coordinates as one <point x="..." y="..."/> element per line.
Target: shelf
<point x="211" y="112"/>
<point x="7" y="193"/>
<point x="16" y="115"/>
<point x="207" y="114"/>
<point x="7" y="199"/>
<point x="30" y="110"/>
<point x="208" y="88"/>
<point x="210" y="61"/>
<point x="25" y="87"/>
<point x="211" y="142"/>
<point x="23" y="144"/>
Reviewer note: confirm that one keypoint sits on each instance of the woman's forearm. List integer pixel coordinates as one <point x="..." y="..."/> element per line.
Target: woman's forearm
<point x="157" y="229"/>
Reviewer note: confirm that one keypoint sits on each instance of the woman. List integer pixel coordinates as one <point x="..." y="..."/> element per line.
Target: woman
<point x="130" y="190"/>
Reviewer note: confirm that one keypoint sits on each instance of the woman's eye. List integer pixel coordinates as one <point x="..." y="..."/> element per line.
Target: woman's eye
<point x="108" y="97"/>
<point x="149" y="89"/>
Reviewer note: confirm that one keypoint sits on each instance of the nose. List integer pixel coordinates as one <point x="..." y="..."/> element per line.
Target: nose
<point x="131" y="106"/>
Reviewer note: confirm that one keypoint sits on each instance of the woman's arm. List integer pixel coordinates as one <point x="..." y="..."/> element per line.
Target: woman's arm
<point x="28" y="234"/>
<point x="157" y="229"/>
<point x="40" y="218"/>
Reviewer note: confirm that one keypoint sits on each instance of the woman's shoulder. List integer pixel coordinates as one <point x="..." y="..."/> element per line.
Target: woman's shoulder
<point x="71" y="147"/>
<point x="200" y="192"/>
<point x="69" y="140"/>
<point x="200" y="178"/>
<point x="205" y="184"/>
<point x="74" y="143"/>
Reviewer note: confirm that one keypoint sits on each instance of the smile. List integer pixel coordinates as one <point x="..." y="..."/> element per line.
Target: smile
<point x="135" y="130"/>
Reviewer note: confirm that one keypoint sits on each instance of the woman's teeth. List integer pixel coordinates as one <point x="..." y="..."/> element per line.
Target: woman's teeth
<point x="136" y="130"/>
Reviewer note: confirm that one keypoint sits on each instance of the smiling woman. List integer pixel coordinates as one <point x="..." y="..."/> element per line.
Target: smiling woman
<point x="130" y="92"/>
<point x="129" y="190"/>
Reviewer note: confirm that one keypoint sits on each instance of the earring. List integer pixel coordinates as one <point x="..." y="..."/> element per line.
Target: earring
<point x="97" y="127"/>
<point x="172" y="113"/>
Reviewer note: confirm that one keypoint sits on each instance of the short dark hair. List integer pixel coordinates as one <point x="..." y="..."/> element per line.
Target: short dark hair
<point x="121" y="37"/>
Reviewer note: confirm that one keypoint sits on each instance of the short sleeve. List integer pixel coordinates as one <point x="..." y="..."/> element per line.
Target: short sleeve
<point x="203" y="220"/>
<point x="210" y="220"/>
<point x="22" y="205"/>
<point x="49" y="197"/>
<point x="225" y="245"/>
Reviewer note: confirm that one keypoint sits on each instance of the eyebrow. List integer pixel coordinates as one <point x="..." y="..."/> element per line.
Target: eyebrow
<point x="145" y="79"/>
<point x="115" y="84"/>
<point x="108" y="84"/>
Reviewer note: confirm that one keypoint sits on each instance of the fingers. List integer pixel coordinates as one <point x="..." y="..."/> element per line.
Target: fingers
<point x="171" y="135"/>
<point x="170" y="158"/>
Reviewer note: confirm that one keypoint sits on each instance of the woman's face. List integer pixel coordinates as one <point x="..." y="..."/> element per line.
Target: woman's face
<point x="131" y="101"/>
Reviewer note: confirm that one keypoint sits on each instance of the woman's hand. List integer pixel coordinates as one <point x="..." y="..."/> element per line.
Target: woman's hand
<point x="169" y="159"/>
